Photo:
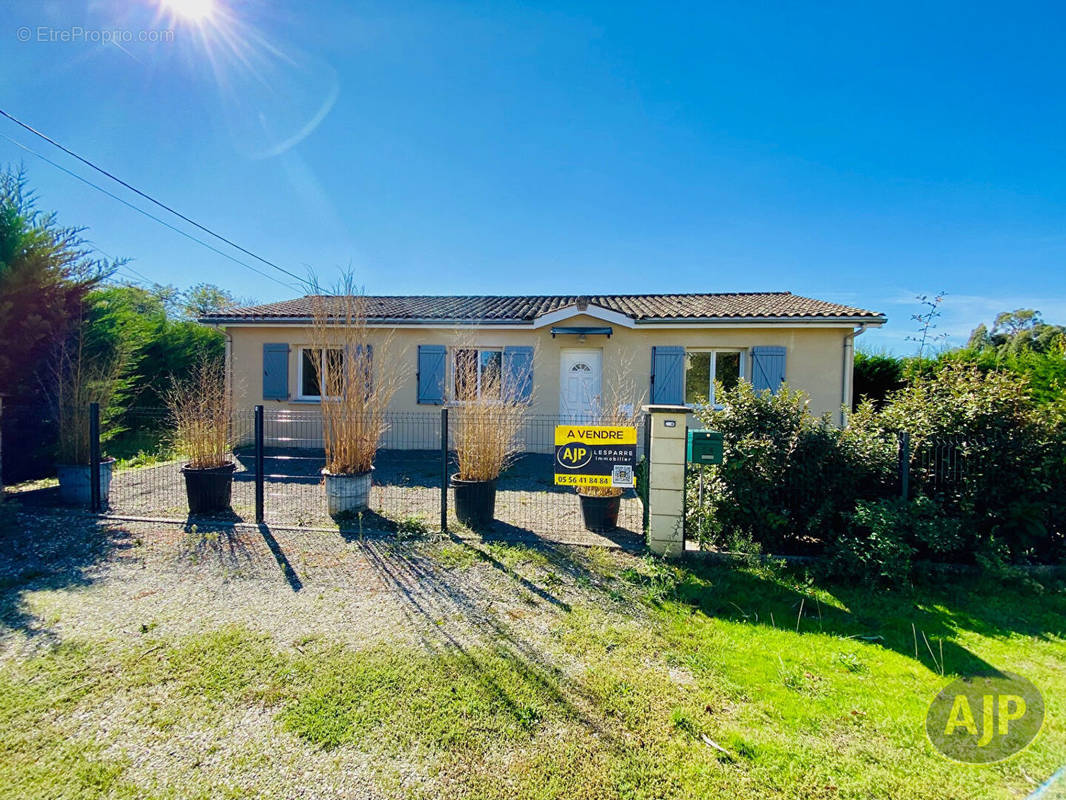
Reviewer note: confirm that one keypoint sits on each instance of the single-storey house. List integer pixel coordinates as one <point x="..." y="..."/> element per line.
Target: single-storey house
<point x="672" y="347"/>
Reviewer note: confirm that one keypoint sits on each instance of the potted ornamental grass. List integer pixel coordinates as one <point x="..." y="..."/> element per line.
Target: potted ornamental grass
<point x="486" y="433"/>
<point x="600" y="505"/>
<point x="81" y="374"/>
<point x="357" y="380"/>
<point x="199" y="406"/>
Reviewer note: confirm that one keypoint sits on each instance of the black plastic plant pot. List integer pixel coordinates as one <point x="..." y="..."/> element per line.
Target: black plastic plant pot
<point x="475" y="502"/>
<point x="209" y="490"/>
<point x="600" y="513"/>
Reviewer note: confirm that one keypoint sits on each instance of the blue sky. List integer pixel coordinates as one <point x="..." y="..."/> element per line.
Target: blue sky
<point x="850" y="152"/>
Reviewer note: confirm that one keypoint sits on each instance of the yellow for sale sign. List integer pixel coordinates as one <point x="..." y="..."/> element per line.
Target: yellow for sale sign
<point x="595" y="455"/>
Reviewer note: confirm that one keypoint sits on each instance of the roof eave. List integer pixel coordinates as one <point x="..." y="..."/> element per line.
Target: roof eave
<point x="806" y="319"/>
<point x="373" y="321"/>
<point x="793" y="320"/>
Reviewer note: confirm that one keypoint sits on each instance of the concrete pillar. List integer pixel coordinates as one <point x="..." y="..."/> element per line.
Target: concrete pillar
<point x="666" y="480"/>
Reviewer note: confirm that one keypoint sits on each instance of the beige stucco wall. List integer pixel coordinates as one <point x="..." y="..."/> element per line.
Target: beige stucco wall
<point x="814" y="357"/>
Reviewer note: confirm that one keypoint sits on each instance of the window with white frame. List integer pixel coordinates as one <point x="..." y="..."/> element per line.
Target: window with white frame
<point x="310" y="380"/>
<point x="704" y="367"/>
<point x="476" y="373"/>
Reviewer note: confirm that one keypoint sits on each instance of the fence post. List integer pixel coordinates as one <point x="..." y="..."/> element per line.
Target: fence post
<point x="666" y="480"/>
<point x="94" y="457"/>
<point x="444" y="470"/>
<point x="260" y="516"/>
<point x="904" y="465"/>
<point x="647" y="469"/>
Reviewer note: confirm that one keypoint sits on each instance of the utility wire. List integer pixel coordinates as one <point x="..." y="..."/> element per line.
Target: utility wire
<point x="149" y="198"/>
<point x="140" y="275"/>
<point x="140" y="210"/>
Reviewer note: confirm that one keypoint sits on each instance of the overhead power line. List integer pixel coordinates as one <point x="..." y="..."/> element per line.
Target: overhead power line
<point x="147" y="197"/>
<point x="150" y="216"/>
<point x="140" y="275"/>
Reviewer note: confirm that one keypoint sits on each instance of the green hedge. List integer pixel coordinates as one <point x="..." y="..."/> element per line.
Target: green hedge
<point x="988" y="470"/>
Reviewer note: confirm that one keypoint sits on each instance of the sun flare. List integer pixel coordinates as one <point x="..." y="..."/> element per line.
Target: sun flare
<point x="198" y="11"/>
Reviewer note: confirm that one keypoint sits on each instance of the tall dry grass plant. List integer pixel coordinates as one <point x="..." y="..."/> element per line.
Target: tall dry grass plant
<point x="488" y="420"/>
<point x="357" y="377"/>
<point x="80" y="375"/>
<point x="618" y="405"/>
<point x="200" y="409"/>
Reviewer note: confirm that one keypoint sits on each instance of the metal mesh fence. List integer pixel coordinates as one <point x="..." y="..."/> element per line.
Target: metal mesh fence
<point x="528" y="502"/>
<point x="147" y="479"/>
<point x="410" y="469"/>
<point x="941" y="467"/>
<point x="406" y="478"/>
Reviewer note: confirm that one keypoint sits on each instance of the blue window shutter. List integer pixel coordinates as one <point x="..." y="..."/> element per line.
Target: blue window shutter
<point x="431" y="363"/>
<point x="275" y="372"/>
<point x="767" y="368"/>
<point x="668" y="375"/>
<point x="518" y="373"/>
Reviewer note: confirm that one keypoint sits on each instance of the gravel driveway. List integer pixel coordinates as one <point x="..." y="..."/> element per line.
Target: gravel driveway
<point x="115" y="587"/>
<point x="116" y="576"/>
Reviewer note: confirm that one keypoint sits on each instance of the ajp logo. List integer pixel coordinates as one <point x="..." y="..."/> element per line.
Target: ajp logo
<point x="574" y="456"/>
<point x="985" y="719"/>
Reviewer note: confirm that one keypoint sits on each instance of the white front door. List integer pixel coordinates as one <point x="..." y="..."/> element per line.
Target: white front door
<point x="580" y="379"/>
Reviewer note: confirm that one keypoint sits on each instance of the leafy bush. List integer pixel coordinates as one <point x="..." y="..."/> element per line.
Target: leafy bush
<point x="788" y="480"/>
<point x="987" y="465"/>
<point x="981" y="448"/>
<point x="877" y="374"/>
<point x="884" y="537"/>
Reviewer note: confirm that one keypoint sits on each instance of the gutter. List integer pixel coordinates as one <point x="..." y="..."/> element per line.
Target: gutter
<point x="847" y="376"/>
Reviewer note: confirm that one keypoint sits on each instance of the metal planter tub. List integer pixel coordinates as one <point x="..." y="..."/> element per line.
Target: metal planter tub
<point x="347" y="493"/>
<point x="209" y="490"/>
<point x="75" y="482"/>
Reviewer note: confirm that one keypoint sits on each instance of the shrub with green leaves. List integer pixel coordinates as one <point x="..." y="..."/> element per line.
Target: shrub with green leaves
<point x="987" y="466"/>
<point x="988" y="455"/>
<point x="788" y="480"/>
<point x="884" y="538"/>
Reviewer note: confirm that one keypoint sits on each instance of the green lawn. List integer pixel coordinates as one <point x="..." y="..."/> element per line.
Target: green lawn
<point x="811" y="690"/>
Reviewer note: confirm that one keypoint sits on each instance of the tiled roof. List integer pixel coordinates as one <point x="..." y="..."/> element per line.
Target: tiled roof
<point x="639" y="307"/>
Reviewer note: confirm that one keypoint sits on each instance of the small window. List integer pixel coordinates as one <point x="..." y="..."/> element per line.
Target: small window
<point x="477" y="373"/>
<point x="704" y="367"/>
<point x="312" y="384"/>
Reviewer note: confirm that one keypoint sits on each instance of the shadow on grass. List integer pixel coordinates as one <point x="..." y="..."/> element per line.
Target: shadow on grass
<point x="425" y="588"/>
<point x="923" y="622"/>
<point x="916" y="622"/>
<point x="58" y="550"/>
